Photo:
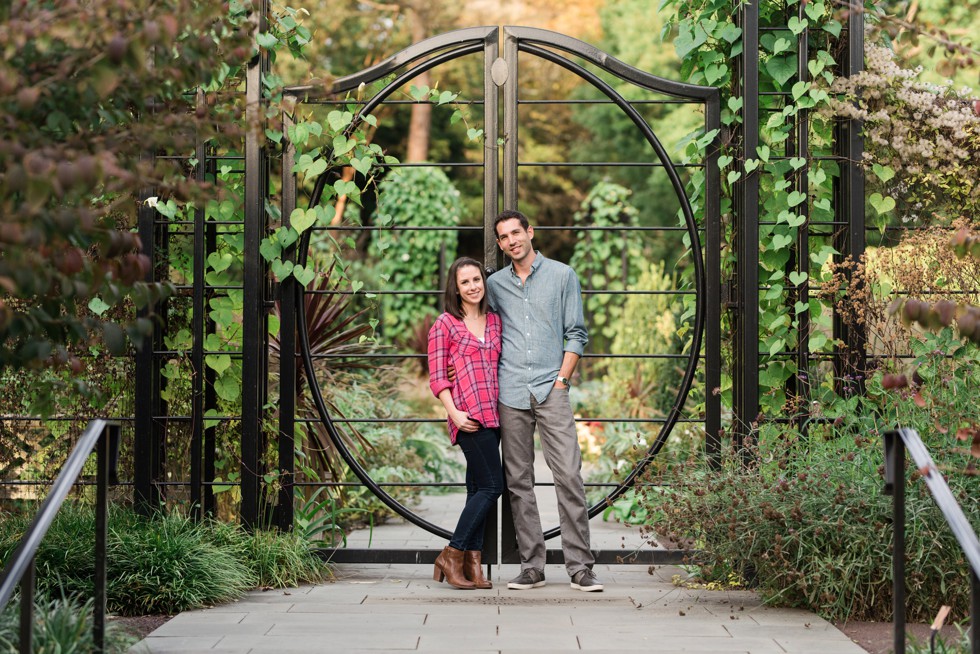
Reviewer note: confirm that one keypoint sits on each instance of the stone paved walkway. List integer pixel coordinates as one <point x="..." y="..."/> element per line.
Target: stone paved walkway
<point x="382" y="608"/>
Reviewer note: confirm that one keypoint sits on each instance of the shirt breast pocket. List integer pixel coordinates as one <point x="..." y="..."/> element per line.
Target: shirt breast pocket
<point x="467" y="349"/>
<point x="545" y="309"/>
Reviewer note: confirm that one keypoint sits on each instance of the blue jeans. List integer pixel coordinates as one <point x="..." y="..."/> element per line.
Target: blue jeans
<point x="484" y="484"/>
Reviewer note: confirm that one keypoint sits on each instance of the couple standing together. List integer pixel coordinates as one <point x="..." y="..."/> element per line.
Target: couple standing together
<point x="500" y="360"/>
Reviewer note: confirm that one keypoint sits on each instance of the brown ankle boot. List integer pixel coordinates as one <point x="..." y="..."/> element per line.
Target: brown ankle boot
<point x="473" y="567"/>
<point x="449" y="566"/>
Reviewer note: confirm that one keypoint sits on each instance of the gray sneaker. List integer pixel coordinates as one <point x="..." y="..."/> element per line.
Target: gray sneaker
<point x="528" y="579"/>
<point x="585" y="580"/>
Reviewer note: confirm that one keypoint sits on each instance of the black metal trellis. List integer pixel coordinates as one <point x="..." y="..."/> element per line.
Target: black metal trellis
<point x="847" y="231"/>
<point x="155" y="424"/>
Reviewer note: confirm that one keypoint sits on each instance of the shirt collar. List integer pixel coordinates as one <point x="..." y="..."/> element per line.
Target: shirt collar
<point x="538" y="258"/>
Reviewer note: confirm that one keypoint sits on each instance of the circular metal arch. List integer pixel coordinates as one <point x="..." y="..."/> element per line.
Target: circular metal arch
<point x="463" y="42"/>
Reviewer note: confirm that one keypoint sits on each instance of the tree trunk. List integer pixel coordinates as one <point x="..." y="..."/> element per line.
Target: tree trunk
<point x="420" y="124"/>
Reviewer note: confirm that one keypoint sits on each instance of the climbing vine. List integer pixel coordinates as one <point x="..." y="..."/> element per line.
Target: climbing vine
<point x="709" y="40"/>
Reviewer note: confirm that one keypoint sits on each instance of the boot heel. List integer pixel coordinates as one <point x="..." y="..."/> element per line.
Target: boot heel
<point x="438" y="574"/>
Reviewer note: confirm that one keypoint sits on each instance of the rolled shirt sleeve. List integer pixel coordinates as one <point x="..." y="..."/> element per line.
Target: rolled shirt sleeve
<point x="576" y="334"/>
<point x="438" y="348"/>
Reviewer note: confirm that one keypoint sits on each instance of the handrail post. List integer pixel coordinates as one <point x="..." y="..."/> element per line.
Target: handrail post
<point x="108" y="445"/>
<point x="974" y="612"/>
<point x="895" y="486"/>
<point x="27" y="609"/>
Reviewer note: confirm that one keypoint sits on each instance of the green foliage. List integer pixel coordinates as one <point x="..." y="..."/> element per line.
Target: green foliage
<point x="923" y="141"/>
<point x="164" y="564"/>
<point x="283" y="560"/>
<point x="630" y="29"/>
<point x="606" y="261"/>
<point x="807" y="520"/>
<point x="812" y="529"/>
<point x="415" y="259"/>
<point x="317" y="517"/>
<point x="398" y="452"/>
<point x="72" y="270"/>
<point x="709" y="42"/>
<point x="171" y="564"/>
<point x="61" y="626"/>
<point x="644" y="387"/>
<point x="943" y="644"/>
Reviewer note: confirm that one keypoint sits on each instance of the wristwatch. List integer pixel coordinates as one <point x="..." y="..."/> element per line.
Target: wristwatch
<point x="564" y="380"/>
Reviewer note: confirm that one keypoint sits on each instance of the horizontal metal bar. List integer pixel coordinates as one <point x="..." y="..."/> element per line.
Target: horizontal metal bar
<point x="70" y="418"/>
<point x="439" y="292"/>
<point x="312" y="484"/>
<point x="427" y="557"/>
<point x="224" y="287"/>
<point x="381" y="421"/>
<point x="411" y="355"/>
<point x="600" y="164"/>
<point x="632" y="102"/>
<point x="424" y="164"/>
<point x="175" y="353"/>
<point x="207" y="222"/>
<point x="470" y="228"/>
<point x="384" y="102"/>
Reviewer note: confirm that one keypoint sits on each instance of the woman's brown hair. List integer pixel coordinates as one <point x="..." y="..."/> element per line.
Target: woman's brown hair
<point x="454" y="306"/>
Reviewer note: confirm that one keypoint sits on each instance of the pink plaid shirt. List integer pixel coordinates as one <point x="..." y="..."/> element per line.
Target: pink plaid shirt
<point x="475" y="388"/>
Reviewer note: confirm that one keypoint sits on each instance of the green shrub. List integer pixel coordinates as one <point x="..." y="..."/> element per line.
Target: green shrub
<point x="61" y="626"/>
<point x="808" y="525"/>
<point x="283" y="560"/>
<point x="170" y="564"/>
<point x="164" y="564"/>
<point x="415" y="197"/>
<point x="399" y="451"/>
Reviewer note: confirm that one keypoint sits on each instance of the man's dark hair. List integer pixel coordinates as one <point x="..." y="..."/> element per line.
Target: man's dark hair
<point x="454" y="305"/>
<point x="507" y="215"/>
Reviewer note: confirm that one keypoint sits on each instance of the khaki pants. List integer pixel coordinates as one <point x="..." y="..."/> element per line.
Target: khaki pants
<point x="559" y="443"/>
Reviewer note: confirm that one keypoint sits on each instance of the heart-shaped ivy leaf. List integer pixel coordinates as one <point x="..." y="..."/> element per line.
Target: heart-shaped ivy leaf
<point x="302" y="219"/>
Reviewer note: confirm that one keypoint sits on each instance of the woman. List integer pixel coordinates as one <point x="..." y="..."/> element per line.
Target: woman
<point x="466" y="338"/>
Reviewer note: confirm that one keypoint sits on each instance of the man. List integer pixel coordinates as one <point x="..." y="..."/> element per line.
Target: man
<point x="544" y="334"/>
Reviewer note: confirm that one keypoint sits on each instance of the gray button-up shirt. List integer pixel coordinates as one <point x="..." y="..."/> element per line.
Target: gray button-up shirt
<point x="542" y="319"/>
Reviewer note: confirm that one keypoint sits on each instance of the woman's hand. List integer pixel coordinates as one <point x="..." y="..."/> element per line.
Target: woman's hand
<point x="463" y="421"/>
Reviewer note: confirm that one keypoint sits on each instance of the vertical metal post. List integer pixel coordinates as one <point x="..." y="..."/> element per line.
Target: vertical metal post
<point x="443" y="270"/>
<point x="712" y="286"/>
<point x="289" y="292"/>
<point x="801" y="183"/>
<point x="896" y="455"/>
<point x="198" y="311"/>
<point x="103" y="460"/>
<point x="974" y="612"/>
<point x="849" y="200"/>
<point x="509" y="552"/>
<point x="147" y="392"/>
<point x="510" y="121"/>
<point x="491" y="153"/>
<point x="210" y="396"/>
<point x="746" y="374"/>
<point x="27" y="610"/>
<point x="253" y="314"/>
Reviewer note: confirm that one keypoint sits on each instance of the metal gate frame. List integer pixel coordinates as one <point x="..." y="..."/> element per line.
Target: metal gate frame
<point x="502" y="72"/>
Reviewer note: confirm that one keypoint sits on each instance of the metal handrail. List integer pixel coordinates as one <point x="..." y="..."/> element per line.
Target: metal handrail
<point x="896" y="442"/>
<point x="103" y="434"/>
